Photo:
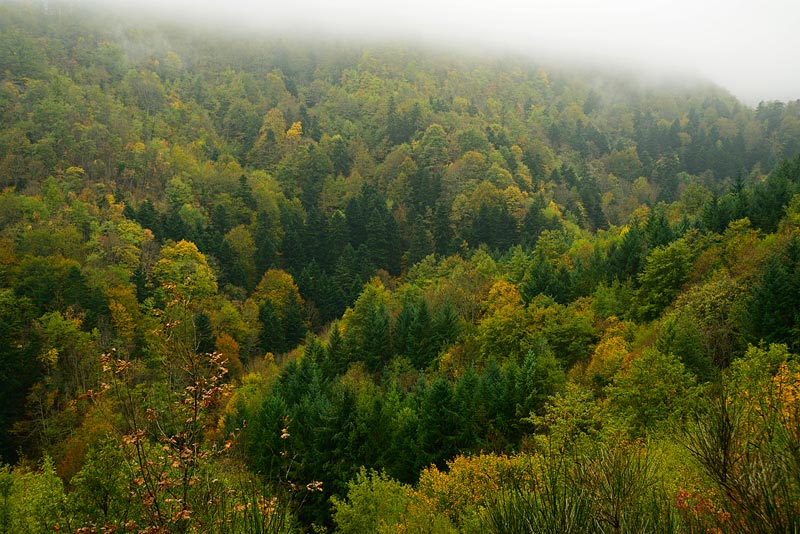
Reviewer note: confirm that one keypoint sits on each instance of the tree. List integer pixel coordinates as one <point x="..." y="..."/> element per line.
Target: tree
<point x="371" y="224"/>
<point x="625" y="257"/>
<point x="652" y="389"/>
<point x="546" y="277"/>
<point x="494" y="226"/>
<point x="402" y="337"/>
<point x="335" y="354"/>
<point x="34" y="501"/>
<point x="321" y="292"/>
<point x="771" y="308"/>
<point x="367" y="333"/>
<point x="281" y="312"/>
<point x="438" y="429"/>
<point x="336" y="150"/>
<point x="423" y="345"/>
<point x="241" y="243"/>
<point x="541" y="377"/>
<point x="266" y="254"/>
<point x="665" y="272"/>
<point x="19" y="367"/>
<point x="165" y="431"/>
<point x="358" y="513"/>
<point x="294" y="323"/>
<point x="144" y="88"/>
<point x="505" y="332"/>
<point x="272" y="337"/>
<point x="185" y="268"/>
<point x="534" y="223"/>
<point x="269" y="147"/>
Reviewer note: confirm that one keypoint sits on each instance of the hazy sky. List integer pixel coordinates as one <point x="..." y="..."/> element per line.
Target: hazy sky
<point x="750" y="47"/>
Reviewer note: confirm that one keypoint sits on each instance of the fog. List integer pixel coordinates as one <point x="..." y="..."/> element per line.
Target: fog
<point x="750" y="48"/>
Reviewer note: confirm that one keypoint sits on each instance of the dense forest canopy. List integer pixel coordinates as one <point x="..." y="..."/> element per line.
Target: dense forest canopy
<point x="259" y="284"/>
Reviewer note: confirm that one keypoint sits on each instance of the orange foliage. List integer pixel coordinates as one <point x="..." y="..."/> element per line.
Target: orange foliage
<point x="229" y="348"/>
<point x="699" y="511"/>
<point x="95" y="427"/>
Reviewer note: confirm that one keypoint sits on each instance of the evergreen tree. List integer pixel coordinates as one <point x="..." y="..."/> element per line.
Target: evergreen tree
<point x="534" y="223"/>
<point x="773" y="309"/>
<point x="266" y="256"/>
<point x="439" y="430"/>
<point x="465" y="403"/>
<point x="272" y="337"/>
<point x="446" y="326"/>
<point x="626" y="257"/>
<point x="423" y="344"/>
<point x="665" y="272"/>
<point x="658" y="231"/>
<point x="336" y="353"/>
<point x="294" y="324"/>
<point x="402" y="334"/>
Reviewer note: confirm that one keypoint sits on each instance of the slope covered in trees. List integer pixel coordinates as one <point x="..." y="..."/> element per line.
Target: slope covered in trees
<point x="254" y="284"/>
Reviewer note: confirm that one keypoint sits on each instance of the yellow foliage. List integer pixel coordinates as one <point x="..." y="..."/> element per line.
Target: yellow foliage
<point x="453" y="362"/>
<point x="553" y="208"/>
<point x="462" y="490"/>
<point x="183" y="265"/>
<point x="123" y="323"/>
<point x="253" y="388"/>
<point x="607" y="359"/>
<point x="503" y="295"/>
<point x="276" y="286"/>
<point x="75" y="171"/>
<point x="786" y="397"/>
<point x="49" y="358"/>
<point x="295" y="132"/>
<point x="505" y="331"/>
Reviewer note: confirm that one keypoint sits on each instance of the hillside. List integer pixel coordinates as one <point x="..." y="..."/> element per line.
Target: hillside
<point x="265" y="283"/>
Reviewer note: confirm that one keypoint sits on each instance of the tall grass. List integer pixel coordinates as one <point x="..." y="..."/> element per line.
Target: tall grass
<point x="749" y="449"/>
<point x="612" y="489"/>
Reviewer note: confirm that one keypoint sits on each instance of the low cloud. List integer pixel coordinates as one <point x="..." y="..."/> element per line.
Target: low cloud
<point x="751" y="49"/>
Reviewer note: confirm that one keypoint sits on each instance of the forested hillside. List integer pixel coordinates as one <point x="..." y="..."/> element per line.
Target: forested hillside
<point x="277" y="284"/>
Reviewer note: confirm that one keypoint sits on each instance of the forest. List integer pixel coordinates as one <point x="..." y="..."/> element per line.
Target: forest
<point x="273" y="284"/>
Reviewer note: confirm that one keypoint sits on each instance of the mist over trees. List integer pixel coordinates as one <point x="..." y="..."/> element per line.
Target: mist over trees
<point x="267" y="285"/>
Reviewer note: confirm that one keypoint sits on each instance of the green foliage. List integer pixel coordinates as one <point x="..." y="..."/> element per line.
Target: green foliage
<point x="681" y="336"/>
<point x="505" y="331"/>
<point x="459" y="235"/>
<point x="613" y="489"/>
<point x="367" y="333"/>
<point x="614" y="300"/>
<point x="571" y="420"/>
<point x="18" y="349"/>
<point x="33" y="501"/>
<point x="99" y="492"/>
<point x="542" y="377"/>
<point x="665" y="272"/>
<point x="185" y="268"/>
<point x="653" y="389"/>
<point x="771" y="310"/>
<point x="375" y="503"/>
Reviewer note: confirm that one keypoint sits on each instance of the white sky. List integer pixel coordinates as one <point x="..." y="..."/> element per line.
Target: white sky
<point x="750" y="47"/>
